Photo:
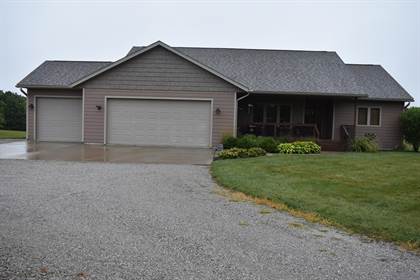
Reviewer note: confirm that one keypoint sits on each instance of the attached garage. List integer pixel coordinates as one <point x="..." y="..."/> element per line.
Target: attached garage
<point x="159" y="122"/>
<point x="59" y="119"/>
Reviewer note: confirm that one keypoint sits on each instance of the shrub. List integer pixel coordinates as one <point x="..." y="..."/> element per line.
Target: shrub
<point x="231" y="153"/>
<point x="307" y="147"/>
<point x="229" y="142"/>
<point x="256" y="152"/>
<point x="286" y="148"/>
<point x="410" y="126"/>
<point x="268" y="144"/>
<point x="280" y="140"/>
<point x="299" y="147"/>
<point x="365" y="144"/>
<point x="241" y="153"/>
<point x="247" y="141"/>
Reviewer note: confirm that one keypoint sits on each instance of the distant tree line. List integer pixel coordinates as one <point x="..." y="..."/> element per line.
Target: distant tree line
<point x="12" y="111"/>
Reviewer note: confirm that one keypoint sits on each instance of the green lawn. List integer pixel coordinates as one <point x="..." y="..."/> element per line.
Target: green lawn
<point x="12" y="134"/>
<point x="373" y="194"/>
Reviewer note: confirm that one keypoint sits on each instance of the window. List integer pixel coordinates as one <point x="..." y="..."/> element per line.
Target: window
<point x="369" y="116"/>
<point x="374" y="116"/>
<point x="362" y="116"/>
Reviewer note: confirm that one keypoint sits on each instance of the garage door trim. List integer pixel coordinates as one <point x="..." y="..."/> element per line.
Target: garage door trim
<point x="157" y="98"/>
<point x="35" y="103"/>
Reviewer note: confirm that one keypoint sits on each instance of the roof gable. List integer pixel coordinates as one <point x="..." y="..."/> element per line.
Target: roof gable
<point x="150" y="47"/>
<point x="159" y="69"/>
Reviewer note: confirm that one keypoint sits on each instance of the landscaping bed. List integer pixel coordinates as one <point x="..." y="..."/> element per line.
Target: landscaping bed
<point x="376" y="194"/>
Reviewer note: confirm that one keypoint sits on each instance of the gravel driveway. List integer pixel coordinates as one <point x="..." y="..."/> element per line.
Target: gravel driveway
<point x="70" y="220"/>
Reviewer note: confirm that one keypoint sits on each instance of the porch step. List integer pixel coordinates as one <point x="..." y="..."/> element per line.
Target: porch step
<point x="329" y="145"/>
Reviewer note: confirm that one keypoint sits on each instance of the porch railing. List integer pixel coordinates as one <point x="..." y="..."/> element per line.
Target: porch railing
<point x="285" y="130"/>
<point x="347" y="135"/>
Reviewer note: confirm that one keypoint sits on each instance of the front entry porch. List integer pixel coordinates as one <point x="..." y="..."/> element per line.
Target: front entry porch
<point x="291" y="117"/>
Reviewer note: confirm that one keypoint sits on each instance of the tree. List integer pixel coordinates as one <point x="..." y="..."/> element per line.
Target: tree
<point x="12" y="111"/>
<point x="2" y="113"/>
<point x="410" y="125"/>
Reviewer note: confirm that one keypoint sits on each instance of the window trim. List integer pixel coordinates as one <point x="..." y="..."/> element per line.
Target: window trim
<point x="368" y="116"/>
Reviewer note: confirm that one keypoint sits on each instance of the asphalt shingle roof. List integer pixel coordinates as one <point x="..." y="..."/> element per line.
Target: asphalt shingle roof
<point x="279" y="71"/>
<point x="377" y="83"/>
<point x="261" y="71"/>
<point x="58" y="73"/>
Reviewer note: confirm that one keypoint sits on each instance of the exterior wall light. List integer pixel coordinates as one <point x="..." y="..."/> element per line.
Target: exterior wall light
<point x="98" y="107"/>
<point x="31" y="106"/>
<point x="218" y="111"/>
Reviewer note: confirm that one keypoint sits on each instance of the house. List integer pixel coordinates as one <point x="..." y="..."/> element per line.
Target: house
<point x="181" y="96"/>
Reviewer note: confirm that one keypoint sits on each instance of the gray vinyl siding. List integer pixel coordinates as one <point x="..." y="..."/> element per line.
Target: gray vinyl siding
<point x="45" y="92"/>
<point x="388" y="134"/>
<point x="160" y="70"/>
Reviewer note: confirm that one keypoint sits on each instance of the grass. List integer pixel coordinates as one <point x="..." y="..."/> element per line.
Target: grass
<point x="12" y="134"/>
<point x="377" y="195"/>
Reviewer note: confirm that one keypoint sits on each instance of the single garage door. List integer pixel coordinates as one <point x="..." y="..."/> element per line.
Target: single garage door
<point x="158" y="122"/>
<point x="59" y="119"/>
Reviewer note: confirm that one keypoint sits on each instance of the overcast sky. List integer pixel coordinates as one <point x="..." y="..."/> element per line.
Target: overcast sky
<point x="371" y="32"/>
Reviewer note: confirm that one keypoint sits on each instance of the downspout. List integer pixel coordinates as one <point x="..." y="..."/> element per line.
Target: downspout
<point x="242" y="97"/>
<point x="24" y="93"/>
<point x="406" y="106"/>
<point x="236" y="112"/>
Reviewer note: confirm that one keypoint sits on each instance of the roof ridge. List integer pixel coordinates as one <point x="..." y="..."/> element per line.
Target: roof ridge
<point x="88" y="61"/>
<point x="246" y="49"/>
<point x="362" y="64"/>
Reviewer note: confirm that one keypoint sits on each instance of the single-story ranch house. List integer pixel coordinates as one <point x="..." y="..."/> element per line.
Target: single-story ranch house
<point x="183" y="96"/>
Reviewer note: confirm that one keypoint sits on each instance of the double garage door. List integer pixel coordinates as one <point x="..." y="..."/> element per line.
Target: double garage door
<point x="158" y="122"/>
<point x="129" y="121"/>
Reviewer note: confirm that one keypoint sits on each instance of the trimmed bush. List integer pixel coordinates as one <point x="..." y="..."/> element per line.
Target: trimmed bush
<point x="256" y="152"/>
<point x="268" y="144"/>
<point x="299" y="147"/>
<point x="366" y="144"/>
<point x="247" y="141"/>
<point x="229" y="142"/>
<point x="241" y="153"/>
<point x="286" y="148"/>
<point x="231" y="153"/>
<point x="410" y="126"/>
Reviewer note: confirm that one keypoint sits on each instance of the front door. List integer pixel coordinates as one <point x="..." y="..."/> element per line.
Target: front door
<point x="320" y="113"/>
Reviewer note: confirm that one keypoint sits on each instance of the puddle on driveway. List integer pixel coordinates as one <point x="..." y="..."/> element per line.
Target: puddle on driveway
<point x="102" y="153"/>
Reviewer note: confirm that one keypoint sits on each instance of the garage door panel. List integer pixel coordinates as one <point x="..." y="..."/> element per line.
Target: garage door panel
<point x="59" y="119"/>
<point x="158" y="122"/>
